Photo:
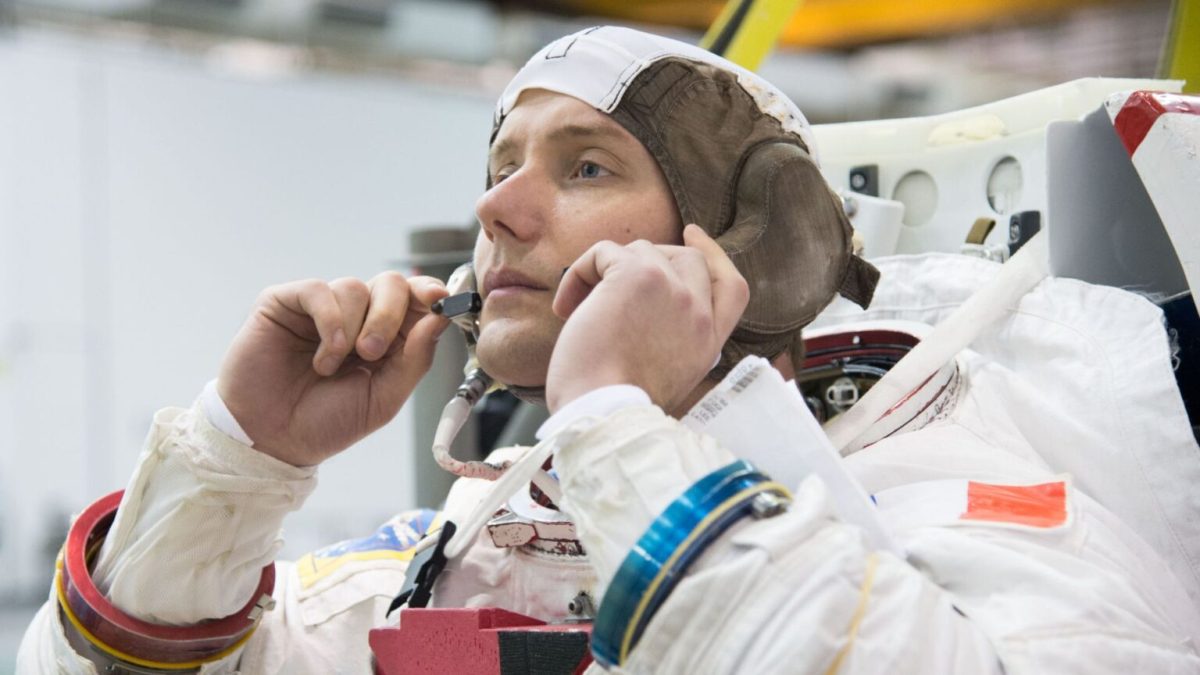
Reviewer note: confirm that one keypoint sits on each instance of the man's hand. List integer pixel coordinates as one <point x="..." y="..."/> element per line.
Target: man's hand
<point x="318" y="365"/>
<point x="652" y="316"/>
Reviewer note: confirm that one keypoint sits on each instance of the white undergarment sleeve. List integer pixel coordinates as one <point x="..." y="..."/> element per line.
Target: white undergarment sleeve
<point x="200" y="518"/>
<point x="220" y="415"/>
<point x="598" y="404"/>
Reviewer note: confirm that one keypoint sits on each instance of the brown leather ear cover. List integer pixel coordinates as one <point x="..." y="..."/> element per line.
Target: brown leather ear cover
<point x="791" y="240"/>
<point x="754" y="188"/>
<point x="700" y="125"/>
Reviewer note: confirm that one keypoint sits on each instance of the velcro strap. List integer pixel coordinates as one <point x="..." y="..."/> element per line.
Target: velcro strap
<point x="858" y="284"/>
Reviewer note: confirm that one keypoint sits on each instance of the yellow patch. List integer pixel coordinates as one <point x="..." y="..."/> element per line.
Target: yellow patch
<point x="395" y="540"/>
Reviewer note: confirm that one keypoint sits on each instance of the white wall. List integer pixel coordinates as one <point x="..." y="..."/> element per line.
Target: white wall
<point x="144" y="201"/>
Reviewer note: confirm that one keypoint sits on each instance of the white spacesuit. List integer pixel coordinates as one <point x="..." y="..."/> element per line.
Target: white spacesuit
<point x="978" y="580"/>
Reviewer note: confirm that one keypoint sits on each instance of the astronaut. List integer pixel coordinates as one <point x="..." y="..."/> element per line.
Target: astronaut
<point x="599" y="300"/>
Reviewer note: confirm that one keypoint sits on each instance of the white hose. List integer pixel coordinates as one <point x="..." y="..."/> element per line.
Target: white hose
<point x="454" y="416"/>
<point x="508" y="477"/>
<point x="994" y="300"/>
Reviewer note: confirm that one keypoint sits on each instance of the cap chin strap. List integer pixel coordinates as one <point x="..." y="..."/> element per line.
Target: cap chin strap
<point x="534" y="395"/>
<point x="858" y="284"/>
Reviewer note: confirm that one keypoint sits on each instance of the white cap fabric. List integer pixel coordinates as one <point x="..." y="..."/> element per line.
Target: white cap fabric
<point x="596" y="66"/>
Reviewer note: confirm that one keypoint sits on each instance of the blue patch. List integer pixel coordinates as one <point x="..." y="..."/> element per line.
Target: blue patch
<point x="400" y="533"/>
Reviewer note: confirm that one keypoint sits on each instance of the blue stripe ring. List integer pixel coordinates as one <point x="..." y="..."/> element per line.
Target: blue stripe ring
<point x="665" y="551"/>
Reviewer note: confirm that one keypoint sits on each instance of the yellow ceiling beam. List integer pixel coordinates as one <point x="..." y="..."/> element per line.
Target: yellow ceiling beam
<point x="746" y="30"/>
<point x="693" y="14"/>
<point x="846" y="23"/>
<point x="1181" y="54"/>
<point x="842" y="23"/>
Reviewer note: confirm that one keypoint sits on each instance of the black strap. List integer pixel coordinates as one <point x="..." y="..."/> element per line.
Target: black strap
<point x="528" y="652"/>
<point x="423" y="571"/>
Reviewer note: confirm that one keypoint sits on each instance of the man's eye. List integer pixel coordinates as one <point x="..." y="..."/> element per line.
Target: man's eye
<point x="591" y="170"/>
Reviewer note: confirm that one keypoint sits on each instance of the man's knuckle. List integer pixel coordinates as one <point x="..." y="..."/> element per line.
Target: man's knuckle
<point x="353" y="288"/>
<point x="649" y="276"/>
<point x="383" y="320"/>
<point x="684" y="299"/>
<point x="741" y="289"/>
<point x="267" y="295"/>
<point x="359" y="291"/>
<point x="391" y="278"/>
<point x="312" y="287"/>
<point x="422" y="281"/>
<point x="606" y="247"/>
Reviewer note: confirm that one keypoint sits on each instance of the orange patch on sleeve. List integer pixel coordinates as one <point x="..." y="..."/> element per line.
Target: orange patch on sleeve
<point x="1042" y="505"/>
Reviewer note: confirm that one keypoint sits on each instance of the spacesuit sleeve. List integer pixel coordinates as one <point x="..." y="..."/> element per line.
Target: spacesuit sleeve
<point x="802" y="593"/>
<point x="200" y="518"/>
<point x="198" y="521"/>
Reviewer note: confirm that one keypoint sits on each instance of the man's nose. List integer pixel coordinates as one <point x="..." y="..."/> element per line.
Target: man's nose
<point x="515" y="207"/>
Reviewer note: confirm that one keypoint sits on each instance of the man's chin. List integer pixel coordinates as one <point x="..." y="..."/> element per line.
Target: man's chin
<point x="513" y="375"/>
<point x="514" y="354"/>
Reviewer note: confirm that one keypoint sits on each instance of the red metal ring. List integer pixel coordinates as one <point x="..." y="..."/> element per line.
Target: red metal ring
<point x="125" y="634"/>
<point x="874" y="342"/>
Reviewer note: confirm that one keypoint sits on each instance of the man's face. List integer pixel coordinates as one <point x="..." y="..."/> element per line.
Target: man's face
<point x="564" y="176"/>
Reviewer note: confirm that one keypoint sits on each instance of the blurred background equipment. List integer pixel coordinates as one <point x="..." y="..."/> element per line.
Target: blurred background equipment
<point x="161" y="161"/>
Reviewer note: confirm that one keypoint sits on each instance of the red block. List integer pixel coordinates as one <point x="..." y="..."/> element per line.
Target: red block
<point x="1142" y="108"/>
<point x="464" y="641"/>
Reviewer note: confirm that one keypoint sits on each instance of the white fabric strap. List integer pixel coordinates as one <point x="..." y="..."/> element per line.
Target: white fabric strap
<point x="582" y="413"/>
<point x="987" y="305"/>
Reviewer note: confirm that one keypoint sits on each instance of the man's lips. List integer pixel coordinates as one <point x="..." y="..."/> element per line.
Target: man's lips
<point x="509" y="279"/>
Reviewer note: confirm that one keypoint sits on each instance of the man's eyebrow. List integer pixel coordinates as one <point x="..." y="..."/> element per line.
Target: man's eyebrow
<point x="584" y="131"/>
<point x="501" y="147"/>
<point x="560" y="133"/>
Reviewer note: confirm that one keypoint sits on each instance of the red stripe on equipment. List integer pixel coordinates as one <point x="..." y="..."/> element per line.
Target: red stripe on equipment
<point x="1042" y="505"/>
<point x="1142" y="108"/>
